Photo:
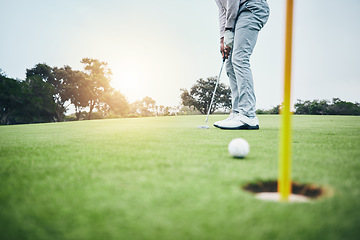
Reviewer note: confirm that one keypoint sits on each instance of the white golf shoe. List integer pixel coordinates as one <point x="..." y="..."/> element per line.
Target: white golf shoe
<point x="219" y="123"/>
<point x="239" y="122"/>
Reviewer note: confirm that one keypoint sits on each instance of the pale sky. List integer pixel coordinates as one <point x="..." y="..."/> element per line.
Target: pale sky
<point x="154" y="48"/>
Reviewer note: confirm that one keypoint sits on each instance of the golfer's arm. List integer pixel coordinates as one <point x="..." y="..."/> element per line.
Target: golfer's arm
<point x="222" y="18"/>
<point x="231" y="13"/>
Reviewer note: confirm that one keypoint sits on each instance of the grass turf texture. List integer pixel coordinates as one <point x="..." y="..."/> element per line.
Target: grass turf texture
<point x="162" y="178"/>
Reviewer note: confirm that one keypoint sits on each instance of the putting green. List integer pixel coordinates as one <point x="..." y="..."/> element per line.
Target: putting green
<point x="163" y="178"/>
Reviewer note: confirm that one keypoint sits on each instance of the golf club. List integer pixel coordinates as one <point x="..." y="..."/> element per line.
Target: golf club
<point x="213" y="96"/>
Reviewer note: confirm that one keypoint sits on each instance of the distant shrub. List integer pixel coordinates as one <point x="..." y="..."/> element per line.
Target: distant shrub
<point x="274" y="110"/>
<point x="325" y="107"/>
<point x="70" y="118"/>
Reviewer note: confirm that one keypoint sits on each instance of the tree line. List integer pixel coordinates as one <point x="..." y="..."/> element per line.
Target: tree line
<point x="47" y="92"/>
<point x="325" y="107"/>
<point x="319" y="107"/>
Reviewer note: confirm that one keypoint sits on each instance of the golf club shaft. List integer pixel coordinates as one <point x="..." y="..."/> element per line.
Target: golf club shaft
<point x="213" y="96"/>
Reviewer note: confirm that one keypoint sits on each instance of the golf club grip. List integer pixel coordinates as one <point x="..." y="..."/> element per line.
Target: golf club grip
<point x="217" y="82"/>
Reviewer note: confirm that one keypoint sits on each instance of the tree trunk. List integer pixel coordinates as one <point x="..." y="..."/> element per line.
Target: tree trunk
<point x="77" y="113"/>
<point x="4" y="118"/>
<point x="92" y="104"/>
<point x="59" y="113"/>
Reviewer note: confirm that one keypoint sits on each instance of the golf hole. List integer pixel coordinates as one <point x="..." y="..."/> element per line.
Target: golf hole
<point x="267" y="190"/>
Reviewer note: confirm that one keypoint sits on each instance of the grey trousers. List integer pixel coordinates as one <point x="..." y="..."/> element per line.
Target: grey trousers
<point x="253" y="15"/>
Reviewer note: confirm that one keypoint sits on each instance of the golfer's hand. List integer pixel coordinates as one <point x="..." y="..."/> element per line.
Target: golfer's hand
<point x="225" y="51"/>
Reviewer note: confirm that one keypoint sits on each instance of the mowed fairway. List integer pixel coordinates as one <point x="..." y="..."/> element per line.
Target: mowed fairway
<point x="162" y="178"/>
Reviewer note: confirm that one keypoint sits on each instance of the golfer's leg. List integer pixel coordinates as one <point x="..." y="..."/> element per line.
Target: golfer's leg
<point x="244" y="42"/>
<point x="233" y="86"/>
<point x="253" y="16"/>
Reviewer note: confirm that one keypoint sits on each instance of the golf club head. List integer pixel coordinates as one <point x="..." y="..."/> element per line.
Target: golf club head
<point x="203" y="127"/>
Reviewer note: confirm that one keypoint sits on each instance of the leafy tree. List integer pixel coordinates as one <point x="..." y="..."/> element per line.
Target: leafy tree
<point x="43" y="71"/>
<point x="97" y="83"/>
<point x="73" y="88"/>
<point x="274" y="110"/>
<point x="201" y="93"/>
<point x="314" y="107"/>
<point x="340" y="107"/>
<point x="145" y="107"/>
<point x="115" y="103"/>
<point x="324" y="107"/>
<point x="54" y="77"/>
<point x="318" y="107"/>
<point x="167" y="111"/>
<point x="163" y="111"/>
<point x="29" y="101"/>
<point x="39" y="106"/>
<point x="11" y="99"/>
<point x="2" y="73"/>
<point x="302" y="107"/>
<point x="64" y="86"/>
<point x="149" y="104"/>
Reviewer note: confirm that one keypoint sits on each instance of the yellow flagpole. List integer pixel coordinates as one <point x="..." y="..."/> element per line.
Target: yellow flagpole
<point x="284" y="181"/>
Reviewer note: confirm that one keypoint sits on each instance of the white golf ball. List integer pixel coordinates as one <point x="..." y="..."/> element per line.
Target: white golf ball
<point x="239" y="148"/>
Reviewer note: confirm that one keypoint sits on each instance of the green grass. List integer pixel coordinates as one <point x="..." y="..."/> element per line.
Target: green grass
<point x="162" y="178"/>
